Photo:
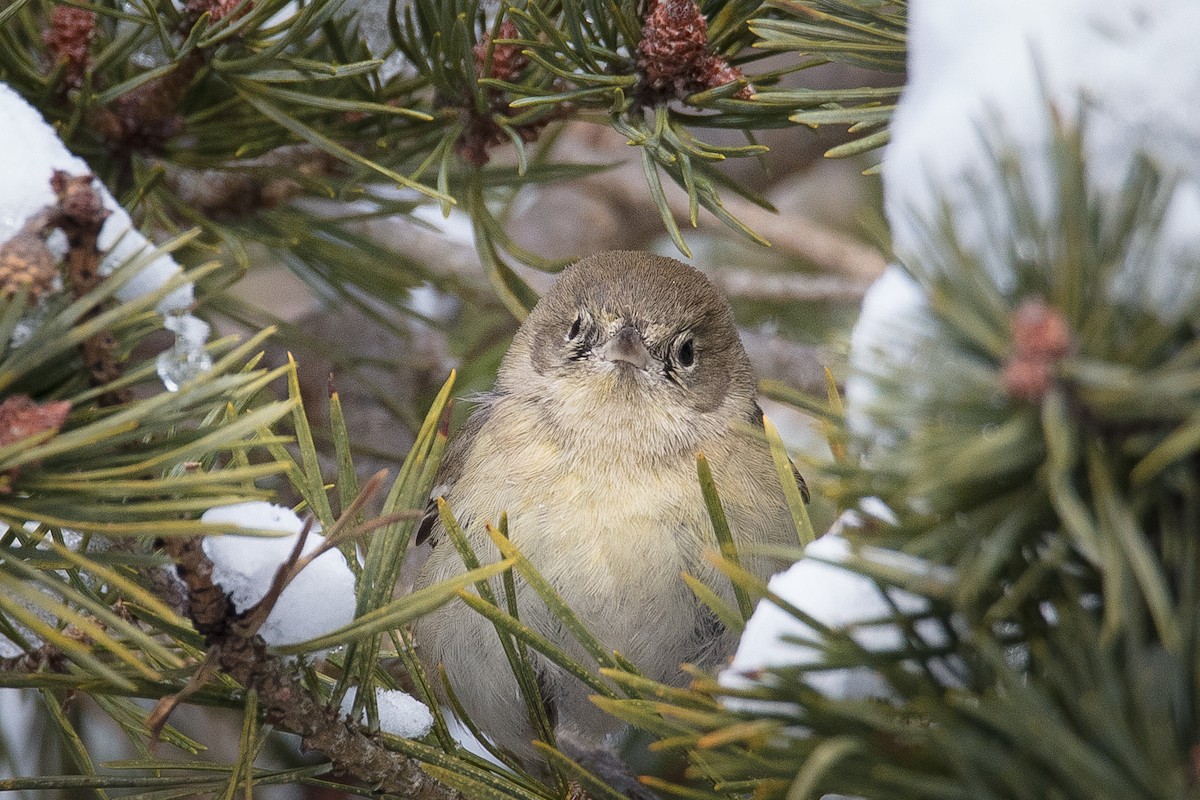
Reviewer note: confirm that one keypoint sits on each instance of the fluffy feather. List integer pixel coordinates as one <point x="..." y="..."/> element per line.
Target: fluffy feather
<point x="594" y="460"/>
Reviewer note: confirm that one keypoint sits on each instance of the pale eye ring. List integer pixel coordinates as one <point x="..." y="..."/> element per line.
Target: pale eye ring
<point x="576" y="327"/>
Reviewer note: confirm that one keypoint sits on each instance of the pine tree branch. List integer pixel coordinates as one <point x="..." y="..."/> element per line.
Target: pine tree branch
<point x="287" y="703"/>
<point x="40" y="659"/>
<point x="80" y="213"/>
<point x="819" y="245"/>
<point x="247" y="185"/>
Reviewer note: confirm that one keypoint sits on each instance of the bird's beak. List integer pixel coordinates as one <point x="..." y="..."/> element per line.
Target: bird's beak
<point x="626" y="345"/>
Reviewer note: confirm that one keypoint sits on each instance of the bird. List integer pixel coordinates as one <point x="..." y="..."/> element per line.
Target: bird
<point x="625" y="370"/>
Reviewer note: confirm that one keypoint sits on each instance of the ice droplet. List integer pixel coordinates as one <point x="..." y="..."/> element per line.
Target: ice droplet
<point x="187" y="357"/>
<point x="30" y="321"/>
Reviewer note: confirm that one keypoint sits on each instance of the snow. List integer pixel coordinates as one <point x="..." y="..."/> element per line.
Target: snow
<point x="27" y="326"/>
<point x="895" y="330"/>
<point x="432" y="303"/>
<point x="371" y="18"/>
<point x="981" y="78"/>
<point x="319" y="600"/>
<point x="30" y="151"/>
<point x="1130" y="66"/>
<point x="456" y="226"/>
<point x="879" y="510"/>
<point x="9" y="648"/>
<point x="822" y="585"/>
<point x="400" y="714"/>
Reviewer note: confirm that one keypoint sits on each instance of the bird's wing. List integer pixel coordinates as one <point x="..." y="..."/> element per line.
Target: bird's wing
<point x="757" y="420"/>
<point x="453" y="461"/>
<point x="800" y="482"/>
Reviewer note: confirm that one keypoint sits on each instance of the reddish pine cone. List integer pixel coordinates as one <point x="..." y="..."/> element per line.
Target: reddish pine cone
<point x="674" y="55"/>
<point x="1027" y="380"/>
<point x="67" y="40"/>
<point x="507" y="59"/>
<point x="674" y="41"/>
<point x="1040" y="331"/>
<point x="21" y="417"/>
<point x="481" y="132"/>
<point x="216" y="9"/>
<point x="1041" y="338"/>
<point x="715" y="71"/>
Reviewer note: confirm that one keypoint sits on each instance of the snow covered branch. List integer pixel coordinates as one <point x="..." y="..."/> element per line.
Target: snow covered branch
<point x="287" y="703"/>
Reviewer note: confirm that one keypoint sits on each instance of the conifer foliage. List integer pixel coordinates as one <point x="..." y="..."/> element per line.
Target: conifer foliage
<point x="1006" y="606"/>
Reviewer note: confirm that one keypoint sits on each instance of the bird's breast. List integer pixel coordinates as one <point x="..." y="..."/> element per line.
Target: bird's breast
<point x="584" y="499"/>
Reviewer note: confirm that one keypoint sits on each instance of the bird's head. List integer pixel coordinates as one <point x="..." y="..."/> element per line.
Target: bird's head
<point x="634" y="341"/>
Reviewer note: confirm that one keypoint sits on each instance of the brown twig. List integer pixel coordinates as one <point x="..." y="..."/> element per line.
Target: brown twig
<point x="44" y="658"/>
<point x="158" y="716"/>
<point x="787" y="287"/>
<point x="244" y="186"/>
<point x="235" y="648"/>
<point x="821" y="246"/>
<point x="287" y="703"/>
<point x="80" y="214"/>
<point x="619" y="213"/>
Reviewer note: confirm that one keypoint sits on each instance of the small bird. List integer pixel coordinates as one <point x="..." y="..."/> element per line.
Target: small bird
<point x="625" y="370"/>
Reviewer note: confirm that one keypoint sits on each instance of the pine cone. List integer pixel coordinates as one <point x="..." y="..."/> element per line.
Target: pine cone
<point x="216" y="9"/>
<point x="674" y="42"/>
<point x="714" y="71"/>
<point x="68" y="39"/>
<point x="26" y="261"/>
<point x="1040" y="331"/>
<point x="1041" y="338"/>
<point x="507" y="59"/>
<point x="674" y="54"/>
<point x="78" y="199"/>
<point x="481" y="133"/>
<point x="21" y="416"/>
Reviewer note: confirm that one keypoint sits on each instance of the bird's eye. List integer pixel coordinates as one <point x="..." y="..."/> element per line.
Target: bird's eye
<point x="575" y="327"/>
<point x="687" y="353"/>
